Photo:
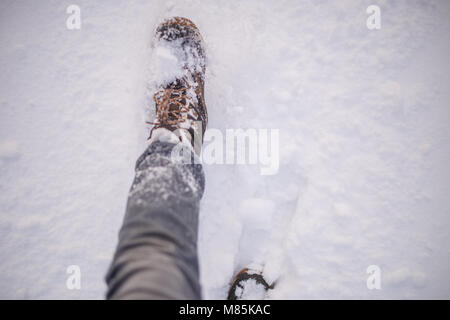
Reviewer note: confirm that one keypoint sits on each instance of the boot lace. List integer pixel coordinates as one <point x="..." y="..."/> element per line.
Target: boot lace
<point x="174" y="106"/>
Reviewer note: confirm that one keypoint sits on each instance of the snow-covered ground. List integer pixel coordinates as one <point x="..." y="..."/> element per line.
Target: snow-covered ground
<point x="363" y="117"/>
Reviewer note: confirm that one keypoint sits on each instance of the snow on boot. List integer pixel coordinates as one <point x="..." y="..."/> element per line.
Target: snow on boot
<point x="248" y="285"/>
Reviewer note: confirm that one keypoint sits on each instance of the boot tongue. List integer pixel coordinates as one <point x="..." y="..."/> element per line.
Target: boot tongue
<point x="177" y="85"/>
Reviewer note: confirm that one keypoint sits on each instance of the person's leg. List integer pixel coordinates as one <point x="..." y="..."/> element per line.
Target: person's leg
<point x="156" y="257"/>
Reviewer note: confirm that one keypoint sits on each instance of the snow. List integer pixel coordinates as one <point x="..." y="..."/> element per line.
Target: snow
<point x="251" y="291"/>
<point x="165" y="64"/>
<point x="9" y="150"/>
<point x="364" y="143"/>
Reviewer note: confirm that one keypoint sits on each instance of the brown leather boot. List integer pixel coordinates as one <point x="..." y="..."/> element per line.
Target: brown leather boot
<point x="180" y="104"/>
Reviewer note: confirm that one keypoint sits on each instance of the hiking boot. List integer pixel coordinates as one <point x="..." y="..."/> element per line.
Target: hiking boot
<point x="248" y="285"/>
<point x="180" y="103"/>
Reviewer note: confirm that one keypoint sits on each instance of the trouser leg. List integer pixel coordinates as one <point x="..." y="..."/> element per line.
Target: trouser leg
<point x="156" y="257"/>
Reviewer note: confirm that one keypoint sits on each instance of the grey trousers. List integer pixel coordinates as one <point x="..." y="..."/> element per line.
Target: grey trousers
<point x="156" y="256"/>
